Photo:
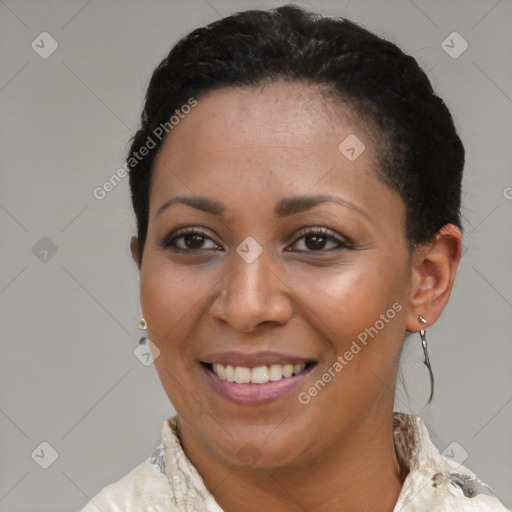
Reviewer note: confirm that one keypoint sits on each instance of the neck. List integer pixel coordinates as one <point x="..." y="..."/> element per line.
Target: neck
<point x="359" y="473"/>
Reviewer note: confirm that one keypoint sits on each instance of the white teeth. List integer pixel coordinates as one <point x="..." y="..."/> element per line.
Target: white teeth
<point x="242" y="375"/>
<point x="220" y="370"/>
<point x="287" y="370"/>
<point x="258" y="375"/>
<point x="275" y="372"/>
<point x="230" y="373"/>
<point x="297" y="368"/>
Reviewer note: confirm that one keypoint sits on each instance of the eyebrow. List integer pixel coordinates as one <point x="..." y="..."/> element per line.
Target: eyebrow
<point x="284" y="208"/>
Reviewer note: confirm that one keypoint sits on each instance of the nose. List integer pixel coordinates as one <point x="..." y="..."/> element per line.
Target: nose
<point x="252" y="294"/>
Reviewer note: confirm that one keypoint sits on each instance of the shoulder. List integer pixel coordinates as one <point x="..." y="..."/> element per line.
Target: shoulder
<point x="454" y="488"/>
<point x="165" y="482"/>
<point x="435" y="482"/>
<point x="144" y="488"/>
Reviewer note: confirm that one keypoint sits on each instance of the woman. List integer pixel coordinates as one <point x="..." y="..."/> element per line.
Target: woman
<point x="296" y="184"/>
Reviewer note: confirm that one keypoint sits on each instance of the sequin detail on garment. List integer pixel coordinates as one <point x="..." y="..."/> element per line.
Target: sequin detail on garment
<point x="471" y="487"/>
<point x="156" y="459"/>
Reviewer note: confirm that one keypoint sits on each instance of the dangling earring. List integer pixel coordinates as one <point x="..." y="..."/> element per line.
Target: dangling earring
<point x="423" y="334"/>
<point x="141" y="324"/>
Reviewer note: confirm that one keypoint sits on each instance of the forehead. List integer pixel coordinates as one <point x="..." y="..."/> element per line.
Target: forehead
<point x="289" y="113"/>
<point x="263" y="143"/>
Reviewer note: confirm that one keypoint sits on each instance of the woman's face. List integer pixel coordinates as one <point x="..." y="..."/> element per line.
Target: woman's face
<point x="252" y="283"/>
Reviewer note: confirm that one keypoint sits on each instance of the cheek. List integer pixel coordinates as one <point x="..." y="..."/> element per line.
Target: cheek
<point x="357" y="310"/>
<point x="168" y="293"/>
<point x="342" y="302"/>
<point x="171" y="299"/>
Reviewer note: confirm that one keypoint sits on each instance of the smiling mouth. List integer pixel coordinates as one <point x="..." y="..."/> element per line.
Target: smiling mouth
<point x="257" y="375"/>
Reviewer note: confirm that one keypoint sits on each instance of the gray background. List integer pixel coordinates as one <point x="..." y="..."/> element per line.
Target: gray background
<point x="68" y="374"/>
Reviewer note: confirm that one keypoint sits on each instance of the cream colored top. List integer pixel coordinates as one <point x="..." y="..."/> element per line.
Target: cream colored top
<point x="168" y="482"/>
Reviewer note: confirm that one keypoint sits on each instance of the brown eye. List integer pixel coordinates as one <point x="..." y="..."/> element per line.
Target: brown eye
<point x="188" y="240"/>
<point x="315" y="240"/>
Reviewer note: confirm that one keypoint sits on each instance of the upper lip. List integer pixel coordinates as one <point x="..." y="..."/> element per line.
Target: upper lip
<point x="255" y="359"/>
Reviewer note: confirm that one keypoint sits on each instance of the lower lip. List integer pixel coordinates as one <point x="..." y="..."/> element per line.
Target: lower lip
<point x="255" y="394"/>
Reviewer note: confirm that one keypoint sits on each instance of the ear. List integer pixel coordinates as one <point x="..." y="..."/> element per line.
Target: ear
<point x="433" y="274"/>
<point x="134" y="248"/>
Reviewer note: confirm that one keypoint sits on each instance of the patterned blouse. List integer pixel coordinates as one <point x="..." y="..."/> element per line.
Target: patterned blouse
<point x="168" y="482"/>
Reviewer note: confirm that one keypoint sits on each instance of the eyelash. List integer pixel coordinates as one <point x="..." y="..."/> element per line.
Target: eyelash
<point x="167" y="244"/>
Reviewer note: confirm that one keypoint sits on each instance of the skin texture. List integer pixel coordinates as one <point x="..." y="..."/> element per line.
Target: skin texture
<point x="249" y="148"/>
